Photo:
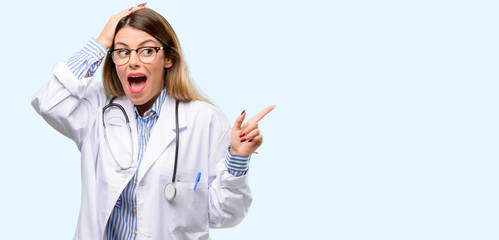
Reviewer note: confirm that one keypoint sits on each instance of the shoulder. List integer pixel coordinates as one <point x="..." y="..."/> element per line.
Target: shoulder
<point x="85" y="88"/>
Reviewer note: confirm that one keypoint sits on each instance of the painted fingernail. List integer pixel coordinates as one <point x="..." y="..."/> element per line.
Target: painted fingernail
<point x="244" y="139"/>
<point x="250" y="140"/>
<point x="242" y="134"/>
<point x="142" y="5"/>
<point x="130" y="9"/>
<point x="243" y="112"/>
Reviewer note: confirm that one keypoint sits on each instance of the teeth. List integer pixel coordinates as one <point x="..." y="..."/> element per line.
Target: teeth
<point x="137" y="76"/>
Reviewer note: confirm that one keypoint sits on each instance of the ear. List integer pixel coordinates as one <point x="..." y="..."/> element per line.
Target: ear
<point x="168" y="62"/>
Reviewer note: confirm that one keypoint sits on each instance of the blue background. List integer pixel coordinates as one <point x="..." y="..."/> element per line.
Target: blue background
<point x="386" y="124"/>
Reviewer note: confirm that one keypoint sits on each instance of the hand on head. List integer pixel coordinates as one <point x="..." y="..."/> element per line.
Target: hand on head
<point x="107" y="35"/>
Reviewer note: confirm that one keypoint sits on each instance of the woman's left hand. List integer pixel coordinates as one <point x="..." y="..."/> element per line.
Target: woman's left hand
<point x="245" y="139"/>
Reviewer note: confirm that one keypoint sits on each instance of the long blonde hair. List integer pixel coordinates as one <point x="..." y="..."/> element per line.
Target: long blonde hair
<point x="176" y="78"/>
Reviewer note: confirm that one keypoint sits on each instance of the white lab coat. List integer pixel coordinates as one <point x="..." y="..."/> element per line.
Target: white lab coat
<point x="74" y="108"/>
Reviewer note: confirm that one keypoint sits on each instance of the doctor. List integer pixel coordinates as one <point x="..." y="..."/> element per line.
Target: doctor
<point x="177" y="168"/>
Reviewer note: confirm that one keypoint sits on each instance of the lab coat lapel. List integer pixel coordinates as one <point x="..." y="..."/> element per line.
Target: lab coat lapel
<point x="162" y="135"/>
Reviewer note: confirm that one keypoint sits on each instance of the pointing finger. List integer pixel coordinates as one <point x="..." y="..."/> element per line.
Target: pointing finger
<point x="262" y="114"/>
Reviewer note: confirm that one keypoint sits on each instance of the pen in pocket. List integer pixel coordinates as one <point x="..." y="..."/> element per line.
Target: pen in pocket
<point x="197" y="180"/>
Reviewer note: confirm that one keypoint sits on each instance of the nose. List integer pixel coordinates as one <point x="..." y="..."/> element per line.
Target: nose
<point x="134" y="60"/>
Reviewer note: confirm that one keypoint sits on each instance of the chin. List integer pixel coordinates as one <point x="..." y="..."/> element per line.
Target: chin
<point x="138" y="100"/>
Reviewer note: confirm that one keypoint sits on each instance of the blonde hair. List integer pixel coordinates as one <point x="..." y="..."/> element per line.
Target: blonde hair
<point x="176" y="78"/>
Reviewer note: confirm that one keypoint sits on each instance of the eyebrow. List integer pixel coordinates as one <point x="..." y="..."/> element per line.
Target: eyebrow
<point x="142" y="43"/>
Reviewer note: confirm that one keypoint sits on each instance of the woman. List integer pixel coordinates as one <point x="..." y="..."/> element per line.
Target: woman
<point x="133" y="185"/>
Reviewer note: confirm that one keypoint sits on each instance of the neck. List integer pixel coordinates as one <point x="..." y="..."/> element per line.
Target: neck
<point x="146" y="106"/>
<point x="142" y="109"/>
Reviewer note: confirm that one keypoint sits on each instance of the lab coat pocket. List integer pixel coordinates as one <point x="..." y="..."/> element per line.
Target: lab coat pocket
<point x="190" y="208"/>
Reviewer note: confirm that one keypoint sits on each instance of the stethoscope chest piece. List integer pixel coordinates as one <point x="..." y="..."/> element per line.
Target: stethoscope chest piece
<point x="170" y="191"/>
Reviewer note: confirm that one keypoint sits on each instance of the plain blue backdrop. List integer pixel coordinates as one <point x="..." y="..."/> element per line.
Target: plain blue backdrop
<point x="386" y="124"/>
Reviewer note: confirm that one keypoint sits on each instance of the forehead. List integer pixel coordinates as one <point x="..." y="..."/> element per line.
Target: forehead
<point x="133" y="37"/>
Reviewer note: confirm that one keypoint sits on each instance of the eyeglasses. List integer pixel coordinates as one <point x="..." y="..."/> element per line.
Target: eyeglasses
<point x="121" y="56"/>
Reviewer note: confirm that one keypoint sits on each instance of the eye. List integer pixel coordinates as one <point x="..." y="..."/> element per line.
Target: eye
<point x="123" y="52"/>
<point x="147" y="51"/>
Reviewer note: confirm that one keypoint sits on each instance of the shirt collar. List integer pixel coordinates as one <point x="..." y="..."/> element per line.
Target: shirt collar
<point x="156" y="107"/>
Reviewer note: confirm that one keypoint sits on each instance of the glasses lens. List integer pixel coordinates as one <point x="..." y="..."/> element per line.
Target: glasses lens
<point x="121" y="56"/>
<point x="147" y="54"/>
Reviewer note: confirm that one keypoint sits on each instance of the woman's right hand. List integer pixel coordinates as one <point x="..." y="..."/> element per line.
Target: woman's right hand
<point x="107" y="35"/>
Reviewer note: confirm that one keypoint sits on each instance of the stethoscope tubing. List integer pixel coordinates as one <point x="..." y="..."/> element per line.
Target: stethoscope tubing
<point x="111" y="104"/>
<point x="170" y="190"/>
<point x="177" y="133"/>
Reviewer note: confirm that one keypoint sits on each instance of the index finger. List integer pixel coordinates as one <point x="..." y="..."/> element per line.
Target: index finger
<point x="262" y="114"/>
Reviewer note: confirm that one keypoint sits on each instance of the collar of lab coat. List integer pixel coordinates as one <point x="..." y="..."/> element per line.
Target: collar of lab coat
<point x="162" y="135"/>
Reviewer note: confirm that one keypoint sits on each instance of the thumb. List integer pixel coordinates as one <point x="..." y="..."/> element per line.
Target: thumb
<point x="239" y="121"/>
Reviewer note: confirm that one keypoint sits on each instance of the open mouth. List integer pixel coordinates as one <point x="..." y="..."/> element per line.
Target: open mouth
<point x="136" y="82"/>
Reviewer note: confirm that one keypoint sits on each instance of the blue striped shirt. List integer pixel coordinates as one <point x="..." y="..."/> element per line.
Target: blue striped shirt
<point x="87" y="60"/>
<point x="237" y="165"/>
<point x="122" y="223"/>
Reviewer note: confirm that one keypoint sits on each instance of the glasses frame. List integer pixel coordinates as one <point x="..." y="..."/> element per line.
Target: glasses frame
<point x="136" y="51"/>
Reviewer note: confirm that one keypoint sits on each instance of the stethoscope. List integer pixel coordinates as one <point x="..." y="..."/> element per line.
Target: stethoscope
<point x="170" y="190"/>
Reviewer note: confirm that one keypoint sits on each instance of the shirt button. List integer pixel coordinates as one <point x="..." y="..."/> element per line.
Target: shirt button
<point x="135" y="208"/>
<point x="135" y="233"/>
<point x="100" y="53"/>
<point x="145" y="130"/>
<point x="148" y="114"/>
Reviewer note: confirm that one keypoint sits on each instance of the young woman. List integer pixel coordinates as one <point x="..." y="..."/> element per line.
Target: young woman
<point x="158" y="161"/>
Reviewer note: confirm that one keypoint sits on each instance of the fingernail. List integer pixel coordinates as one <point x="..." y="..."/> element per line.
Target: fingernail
<point x="243" y="112"/>
<point x="244" y="139"/>
<point x="142" y="5"/>
<point x="130" y="9"/>
<point x="250" y="140"/>
<point x="242" y="134"/>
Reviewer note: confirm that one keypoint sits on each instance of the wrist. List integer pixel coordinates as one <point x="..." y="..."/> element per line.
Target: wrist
<point x="234" y="152"/>
<point x="104" y="43"/>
